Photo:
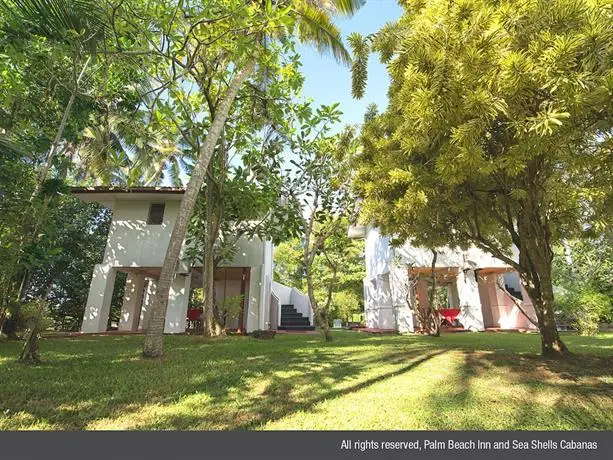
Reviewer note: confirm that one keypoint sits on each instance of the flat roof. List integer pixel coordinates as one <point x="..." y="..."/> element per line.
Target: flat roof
<point x="116" y="189"/>
<point x="107" y="195"/>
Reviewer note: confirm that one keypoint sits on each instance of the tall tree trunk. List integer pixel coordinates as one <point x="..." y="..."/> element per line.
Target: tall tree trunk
<point x="59" y="134"/>
<point x="433" y="324"/>
<point x="212" y="327"/>
<point x="535" y="257"/>
<point x="30" y="350"/>
<point x="318" y="313"/>
<point x="153" y="346"/>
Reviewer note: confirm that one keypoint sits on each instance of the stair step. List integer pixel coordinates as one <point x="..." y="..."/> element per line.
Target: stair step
<point x="296" y="328"/>
<point x="295" y="323"/>
<point x="292" y="315"/>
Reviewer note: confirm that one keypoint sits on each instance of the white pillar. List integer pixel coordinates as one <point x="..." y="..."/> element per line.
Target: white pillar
<point x="452" y="295"/>
<point x="399" y="284"/>
<point x="178" y="298"/>
<point x="98" y="307"/>
<point x="255" y="293"/>
<point x="132" y="301"/>
<point x="471" y="315"/>
<point x="145" y="311"/>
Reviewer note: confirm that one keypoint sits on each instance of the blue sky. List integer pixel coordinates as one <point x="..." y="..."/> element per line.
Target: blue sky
<point x="327" y="82"/>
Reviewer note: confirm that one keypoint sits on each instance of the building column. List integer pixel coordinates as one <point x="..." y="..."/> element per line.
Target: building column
<point x="145" y="311"/>
<point x="471" y="315"/>
<point x="132" y="301"/>
<point x="98" y="307"/>
<point x="178" y="298"/>
<point x="403" y="297"/>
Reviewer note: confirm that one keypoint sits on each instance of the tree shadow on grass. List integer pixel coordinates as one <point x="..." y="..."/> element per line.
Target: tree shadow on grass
<point x="230" y="384"/>
<point x="242" y="383"/>
<point x="525" y="393"/>
<point x="277" y="400"/>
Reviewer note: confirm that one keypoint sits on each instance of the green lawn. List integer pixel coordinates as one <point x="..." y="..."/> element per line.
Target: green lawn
<point x="458" y="381"/>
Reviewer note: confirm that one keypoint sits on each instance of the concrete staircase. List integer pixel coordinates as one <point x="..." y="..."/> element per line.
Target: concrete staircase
<point x="292" y="320"/>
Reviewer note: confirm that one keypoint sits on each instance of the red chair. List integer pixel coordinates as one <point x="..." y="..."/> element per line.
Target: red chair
<point x="194" y="318"/>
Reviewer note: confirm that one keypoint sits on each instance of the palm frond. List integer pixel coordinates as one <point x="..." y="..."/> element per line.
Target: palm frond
<point x="8" y="145"/>
<point x="346" y="7"/>
<point x="70" y="21"/>
<point x="315" y="26"/>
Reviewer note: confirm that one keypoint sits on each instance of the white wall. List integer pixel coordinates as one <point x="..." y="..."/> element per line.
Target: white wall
<point x="302" y="304"/>
<point x="98" y="304"/>
<point x="284" y="293"/>
<point x="176" y="314"/>
<point x="133" y="243"/>
<point x="471" y="314"/>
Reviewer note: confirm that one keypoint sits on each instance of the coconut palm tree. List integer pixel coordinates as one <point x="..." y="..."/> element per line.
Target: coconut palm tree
<point x="78" y="26"/>
<point x="314" y="26"/>
<point x="119" y="151"/>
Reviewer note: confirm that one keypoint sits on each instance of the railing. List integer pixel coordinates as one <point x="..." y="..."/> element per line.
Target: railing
<point x="275" y="312"/>
<point x="302" y="304"/>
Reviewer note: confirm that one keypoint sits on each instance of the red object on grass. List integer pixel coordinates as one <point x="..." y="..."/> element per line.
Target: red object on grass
<point x="193" y="314"/>
<point x="450" y="314"/>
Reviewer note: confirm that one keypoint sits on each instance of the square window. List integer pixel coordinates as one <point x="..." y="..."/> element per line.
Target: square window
<point x="156" y="214"/>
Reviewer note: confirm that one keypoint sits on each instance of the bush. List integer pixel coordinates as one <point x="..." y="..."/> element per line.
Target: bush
<point x="29" y="312"/>
<point x="586" y="310"/>
<point x="261" y="334"/>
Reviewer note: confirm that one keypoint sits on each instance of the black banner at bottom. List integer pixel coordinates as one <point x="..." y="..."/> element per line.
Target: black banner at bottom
<point x="307" y="445"/>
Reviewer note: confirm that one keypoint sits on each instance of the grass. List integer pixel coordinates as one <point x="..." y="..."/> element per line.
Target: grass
<point x="458" y="381"/>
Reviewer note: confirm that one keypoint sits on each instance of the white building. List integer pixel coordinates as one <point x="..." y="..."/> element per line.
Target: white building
<point x="397" y="277"/>
<point x="140" y="230"/>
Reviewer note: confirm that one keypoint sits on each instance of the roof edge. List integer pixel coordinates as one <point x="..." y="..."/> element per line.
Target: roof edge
<point x="115" y="189"/>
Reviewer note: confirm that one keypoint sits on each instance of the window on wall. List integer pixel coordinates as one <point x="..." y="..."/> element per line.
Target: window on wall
<point x="156" y="214"/>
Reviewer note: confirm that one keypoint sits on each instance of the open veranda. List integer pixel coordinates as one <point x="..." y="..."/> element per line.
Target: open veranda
<point x="483" y="381"/>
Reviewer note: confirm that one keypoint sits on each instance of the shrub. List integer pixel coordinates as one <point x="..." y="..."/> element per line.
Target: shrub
<point x="261" y="334"/>
<point x="585" y="310"/>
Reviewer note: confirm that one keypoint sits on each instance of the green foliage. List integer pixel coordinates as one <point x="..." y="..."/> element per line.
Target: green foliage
<point x="231" y="307"/>
<point x="483" y="96"/>
<point x="289" y="264"/>
<point x="347" y="284"/>
<point x="498" y="131"/>
<point x="81" y="241"/>
<point x="582" y="273"/>
<point x="29" y="315"/>
<point x="585" y="310"/>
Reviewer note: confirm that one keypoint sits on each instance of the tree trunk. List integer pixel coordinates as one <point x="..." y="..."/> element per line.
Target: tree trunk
<point x="539" y="287"/>
<point x="153" y="346"/>
<point x="60" y="133"/>
<point x="211" y="328"/>
<point x="317" y="312"/>
<point x="535" y="258"/>
<point x="433" y="324"/>
<point x="30" y="350"/>
<point x="325" y="325"/>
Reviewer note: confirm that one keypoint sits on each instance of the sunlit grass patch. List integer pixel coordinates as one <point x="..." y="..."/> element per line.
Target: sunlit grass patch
<point x="457" y="381"/>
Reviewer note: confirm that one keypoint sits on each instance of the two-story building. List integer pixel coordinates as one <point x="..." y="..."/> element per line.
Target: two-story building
<point x="139" y="234"/>
<point x="398" y="279"/>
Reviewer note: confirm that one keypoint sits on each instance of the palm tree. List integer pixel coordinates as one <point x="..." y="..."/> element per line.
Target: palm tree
<point x="79" y="26"/>
<point x="314" y="26"/>
<point x="121" y="151"/>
